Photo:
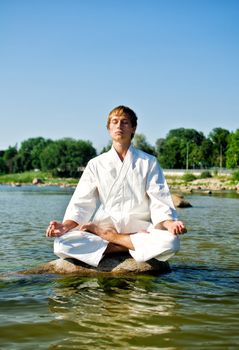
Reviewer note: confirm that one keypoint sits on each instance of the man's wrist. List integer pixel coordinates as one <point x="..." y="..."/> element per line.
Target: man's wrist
<point x="167" y="223"/>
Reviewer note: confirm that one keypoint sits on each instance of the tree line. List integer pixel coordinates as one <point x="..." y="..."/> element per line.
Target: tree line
<point x="180" y="149"/>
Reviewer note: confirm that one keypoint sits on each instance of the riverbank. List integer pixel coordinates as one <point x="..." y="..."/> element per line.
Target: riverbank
<point x="36" y="178"/>
<point x="176" y="183"/>
<point x="207" y="185"/>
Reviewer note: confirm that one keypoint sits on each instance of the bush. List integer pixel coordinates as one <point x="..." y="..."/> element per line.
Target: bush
<point x="188" y="177"/>
<point x="21" y="178"/>
<point x="235" y="176"/>
<point x="205" y="174"/>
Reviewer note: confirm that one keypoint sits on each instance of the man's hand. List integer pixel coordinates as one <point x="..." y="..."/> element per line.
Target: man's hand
<point x="57" y="229"/>
<point x="175" y="227"/>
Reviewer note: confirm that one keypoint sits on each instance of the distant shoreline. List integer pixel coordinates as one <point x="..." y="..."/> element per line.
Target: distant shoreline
<point x="205" y="185"/>
<point x="176" y="184"/>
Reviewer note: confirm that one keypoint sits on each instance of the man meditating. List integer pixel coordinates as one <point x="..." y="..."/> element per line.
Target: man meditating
<point x="122" y="203"/>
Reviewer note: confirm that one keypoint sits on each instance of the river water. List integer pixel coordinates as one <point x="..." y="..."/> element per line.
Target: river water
<point x="195" y="306"/>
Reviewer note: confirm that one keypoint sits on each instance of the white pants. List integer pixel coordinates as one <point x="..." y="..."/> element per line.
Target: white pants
<point x="89" y="248"/>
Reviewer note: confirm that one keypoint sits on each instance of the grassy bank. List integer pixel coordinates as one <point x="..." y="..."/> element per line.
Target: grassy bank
<point x="178" y="182"/>
<point x="28" y="177"/>
<point x="190" y="182"/>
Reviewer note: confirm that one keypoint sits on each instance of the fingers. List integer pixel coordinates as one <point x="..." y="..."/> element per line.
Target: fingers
<point x="178" y="228"/>
<point x="184" y="230"/>
<point x="53" y="229"/>
<point x="181" y="229"/>
<point x="50" y="232"/>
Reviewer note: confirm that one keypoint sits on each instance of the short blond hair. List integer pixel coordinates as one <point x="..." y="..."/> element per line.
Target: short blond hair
<point x="123" y="110"/>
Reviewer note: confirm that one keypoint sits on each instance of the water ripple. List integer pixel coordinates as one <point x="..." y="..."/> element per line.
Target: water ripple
<point x="193" y="306"/>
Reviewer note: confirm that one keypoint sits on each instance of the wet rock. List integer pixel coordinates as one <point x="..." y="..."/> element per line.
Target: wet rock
<point x="37" y="181"/>
<point x="121" y="264"/>
<point x="208" y="192"/>
<point x="179" y="201"/>
<point x="16" y="184"/>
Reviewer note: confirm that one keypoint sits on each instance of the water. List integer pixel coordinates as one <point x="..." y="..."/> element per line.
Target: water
<point x="195" y="306"/>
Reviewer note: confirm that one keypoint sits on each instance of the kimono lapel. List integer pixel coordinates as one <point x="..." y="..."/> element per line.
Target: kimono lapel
<point x="122" y="170"/>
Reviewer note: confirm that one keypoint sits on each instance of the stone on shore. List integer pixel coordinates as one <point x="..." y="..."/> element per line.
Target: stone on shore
<point x="179" y="201"/>
<point x="121" y="264"/>
<point x="37" y="181"/>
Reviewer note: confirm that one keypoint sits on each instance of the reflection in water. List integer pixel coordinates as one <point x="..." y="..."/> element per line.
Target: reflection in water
<point x="119" y="311"/>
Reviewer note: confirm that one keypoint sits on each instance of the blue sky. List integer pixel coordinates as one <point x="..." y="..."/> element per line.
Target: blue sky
<point x="64" y="64"/>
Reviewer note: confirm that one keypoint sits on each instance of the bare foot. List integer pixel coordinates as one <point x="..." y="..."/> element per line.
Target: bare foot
<point x="109" y="234"/>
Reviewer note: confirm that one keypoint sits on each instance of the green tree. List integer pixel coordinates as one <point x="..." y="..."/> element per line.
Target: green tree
<point x="180" y="149"/>
<point x="65" y="157"/>
<point x="3" y="166"/>
<point x="29" y="153"/>
<point x="205" y="154"/>
<point x="168" y="153"/>
<point x="219" y="138"/>
<point x="141" y="143"/>
<point x="9" y="157"/>
<point x="232" y="152"/>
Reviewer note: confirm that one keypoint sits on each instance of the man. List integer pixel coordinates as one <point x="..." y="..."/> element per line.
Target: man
<point x="122" y="202"/>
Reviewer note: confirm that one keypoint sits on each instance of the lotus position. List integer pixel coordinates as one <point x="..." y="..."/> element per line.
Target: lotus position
<point x="121" y="203"/>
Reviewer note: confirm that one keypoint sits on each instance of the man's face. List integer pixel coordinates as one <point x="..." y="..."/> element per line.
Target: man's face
<point x="120" y="128"/>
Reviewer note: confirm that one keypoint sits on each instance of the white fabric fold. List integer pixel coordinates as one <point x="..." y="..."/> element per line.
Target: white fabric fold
<point x="80" y="245"/>
<point x="158" y="244"/>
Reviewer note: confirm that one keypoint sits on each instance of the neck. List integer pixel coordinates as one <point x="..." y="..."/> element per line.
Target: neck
<point x="121" y="149"/>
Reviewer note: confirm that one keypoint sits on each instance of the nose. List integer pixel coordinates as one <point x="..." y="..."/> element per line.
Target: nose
<point x="120" y="123"/>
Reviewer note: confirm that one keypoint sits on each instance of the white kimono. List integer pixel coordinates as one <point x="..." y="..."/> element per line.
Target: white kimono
<point x="131" y="196"/>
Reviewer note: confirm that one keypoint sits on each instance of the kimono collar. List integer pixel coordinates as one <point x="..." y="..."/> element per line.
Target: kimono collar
<point x="128" y="156"/>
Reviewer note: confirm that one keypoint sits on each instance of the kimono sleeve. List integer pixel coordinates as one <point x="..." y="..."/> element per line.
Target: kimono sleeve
<point x="160" y="201"/>
<point x="85" y="198"/>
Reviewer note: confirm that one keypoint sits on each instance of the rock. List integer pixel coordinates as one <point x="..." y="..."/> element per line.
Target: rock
<point x="208" y="192"/>
<point x="37" y="181"/>
<point x="16" y="184"/>
<point x="121" y="264"/>
<point x="179" y="201"/>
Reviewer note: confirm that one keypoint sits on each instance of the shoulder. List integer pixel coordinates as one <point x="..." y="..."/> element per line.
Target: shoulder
<point x="100" y="159"/>
<point x="147" y="163"/>
<point x="141" y="155"/>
